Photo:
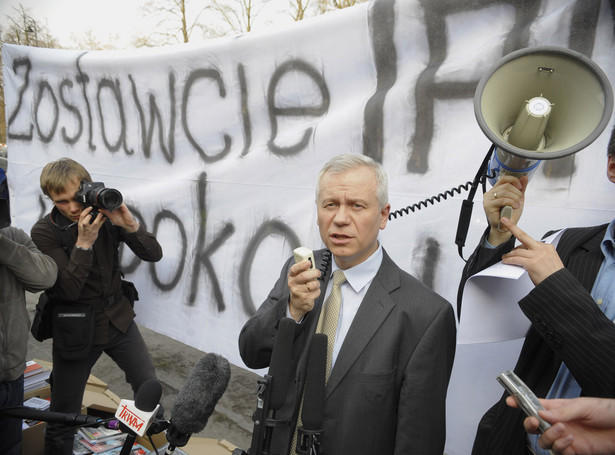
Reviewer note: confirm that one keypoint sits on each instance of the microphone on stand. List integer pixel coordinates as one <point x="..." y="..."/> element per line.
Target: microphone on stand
<point x="135" y="417"/>
<point x="280" y="367"/>
<point x="196" y="402"/>
<point x="309" y="436"/>
<point x="272" y="389"/>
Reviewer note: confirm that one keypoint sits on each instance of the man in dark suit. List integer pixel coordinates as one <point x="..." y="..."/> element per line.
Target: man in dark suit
<point x="395" y="342"/>
<point x="570" y="346"/>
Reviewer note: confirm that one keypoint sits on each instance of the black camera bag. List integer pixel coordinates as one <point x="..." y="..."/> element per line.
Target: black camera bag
<point x="42" y="324"/>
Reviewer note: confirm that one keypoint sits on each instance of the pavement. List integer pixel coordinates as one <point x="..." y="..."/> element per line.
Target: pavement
<point x="232" y="417"/>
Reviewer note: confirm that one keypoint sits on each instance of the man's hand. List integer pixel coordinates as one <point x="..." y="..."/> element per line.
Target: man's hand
<point x="508" y="190"/>
<point x="538" y="258"/>
<point x="304" y="289"/>
<point x="87" y="228"/>
<point x="123" y="218"/>
<point x="579" y="426"/>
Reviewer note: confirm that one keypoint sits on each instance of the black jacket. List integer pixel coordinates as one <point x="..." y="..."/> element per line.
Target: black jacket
<point x="567" y="325"/>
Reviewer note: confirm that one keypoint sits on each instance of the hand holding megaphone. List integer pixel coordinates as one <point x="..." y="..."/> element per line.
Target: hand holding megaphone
<point x="509" y="191"/>
<point x="540" y="103"/>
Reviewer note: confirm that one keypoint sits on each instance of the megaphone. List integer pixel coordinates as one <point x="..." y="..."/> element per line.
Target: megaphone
<point x="541" y="103"/>
<point x="534" y="104"/>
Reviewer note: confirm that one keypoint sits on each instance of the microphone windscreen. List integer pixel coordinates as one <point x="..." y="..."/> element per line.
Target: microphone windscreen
<point x="204" y="386"/>
<point x="148" y="395"/>
<point x="280" y="368"/>
<point x="313" y="410"/>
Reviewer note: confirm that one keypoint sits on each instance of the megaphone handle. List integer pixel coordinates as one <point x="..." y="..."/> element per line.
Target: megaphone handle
<point x="505" y="211"/>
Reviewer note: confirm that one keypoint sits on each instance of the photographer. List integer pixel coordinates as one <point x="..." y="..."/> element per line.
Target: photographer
<point x="92" y="306"/>
<point x="22" y="268"/>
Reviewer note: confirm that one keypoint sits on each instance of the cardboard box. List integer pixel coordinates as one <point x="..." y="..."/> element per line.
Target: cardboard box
<point x="202" y="446"/>
<point x="100" y="404"/>
<point x="43" y="392"/>
<point x="33" y="442"/>
<point x="208" y="446"/>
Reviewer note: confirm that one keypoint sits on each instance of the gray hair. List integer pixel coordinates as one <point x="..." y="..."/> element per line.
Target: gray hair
<point x="342" y="163"/>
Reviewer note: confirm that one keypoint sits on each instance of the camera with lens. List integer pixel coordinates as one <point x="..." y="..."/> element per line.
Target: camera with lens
<point x="94" y="194"/>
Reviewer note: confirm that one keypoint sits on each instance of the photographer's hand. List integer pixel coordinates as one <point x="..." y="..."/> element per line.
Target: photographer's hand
<point x="122" y="217"/>
<point x="88" y="228"/>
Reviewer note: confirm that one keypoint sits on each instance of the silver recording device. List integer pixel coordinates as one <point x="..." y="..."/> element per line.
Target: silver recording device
<point x="524" y="397"/>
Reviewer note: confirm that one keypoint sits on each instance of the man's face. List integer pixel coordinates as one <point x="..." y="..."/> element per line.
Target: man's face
<point x="349" y="216"/>
<point x="610" y="168"/>
<point x="65" y="201"/>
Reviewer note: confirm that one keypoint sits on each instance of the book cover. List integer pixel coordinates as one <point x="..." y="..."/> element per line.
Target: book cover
<point x="32" y="367"/>
<point x="80" y="449"/>
<point x="94" y="434"/>
<point x="104" y="445"/>
<point x="36" y="379"/>
<point x="137" y="449"/>
<point x="37" y="403"/>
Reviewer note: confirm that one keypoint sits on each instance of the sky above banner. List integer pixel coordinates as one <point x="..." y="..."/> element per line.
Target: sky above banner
<point x="117" y="23"/>
<point x="216" y="146"/>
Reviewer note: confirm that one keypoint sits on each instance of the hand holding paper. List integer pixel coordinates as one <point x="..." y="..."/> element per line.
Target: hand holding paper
<point x="539" y="259"/>
<point x="491" y="313"/>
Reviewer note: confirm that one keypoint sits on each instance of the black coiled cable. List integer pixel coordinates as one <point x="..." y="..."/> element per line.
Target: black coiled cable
<point x="324" y="265"/>
<point x="431" y="200"/>
<point x="466" y="205"/>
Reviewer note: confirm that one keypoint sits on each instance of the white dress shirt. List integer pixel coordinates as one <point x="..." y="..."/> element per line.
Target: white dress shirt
<point x="358" y="279"/>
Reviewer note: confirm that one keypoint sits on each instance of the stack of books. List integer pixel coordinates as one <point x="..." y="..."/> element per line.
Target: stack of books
<point x="110" y="446"/>
<point x="103" y="441"/>
<point x="40" y="404"/>
<point x="137" y="449"/>
<point x="100" y="439"/>
<point x="35" y="376"/>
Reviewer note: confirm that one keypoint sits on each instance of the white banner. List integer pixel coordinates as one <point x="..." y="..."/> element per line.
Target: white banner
<point x="216" y="147"/>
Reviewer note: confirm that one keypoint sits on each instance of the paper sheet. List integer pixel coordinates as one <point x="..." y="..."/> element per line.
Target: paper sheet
<point x="490" y="311"/>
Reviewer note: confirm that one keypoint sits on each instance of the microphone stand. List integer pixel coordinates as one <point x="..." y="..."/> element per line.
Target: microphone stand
<point x="271" y="390"/>
<point x="75" y="420"/>
<point x="129" y="441"/>
<point x="264" y="420"/>
<point x="310" y="434"/>
<point x="308" y="441"/>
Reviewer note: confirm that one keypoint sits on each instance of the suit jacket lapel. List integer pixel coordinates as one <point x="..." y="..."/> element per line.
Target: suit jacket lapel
<point x="374" y="309"/>
<point x="581" y="254"/>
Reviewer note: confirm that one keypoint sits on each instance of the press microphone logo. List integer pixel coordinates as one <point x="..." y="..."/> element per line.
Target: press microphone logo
<point x="134" y="418"/>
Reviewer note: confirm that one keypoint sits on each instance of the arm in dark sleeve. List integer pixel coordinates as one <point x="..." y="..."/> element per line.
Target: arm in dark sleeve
<point x="143" y="244"/>
<point x="258" y="334"/>
<point x="571" y="323"/>
<point x="73" y="271"/>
